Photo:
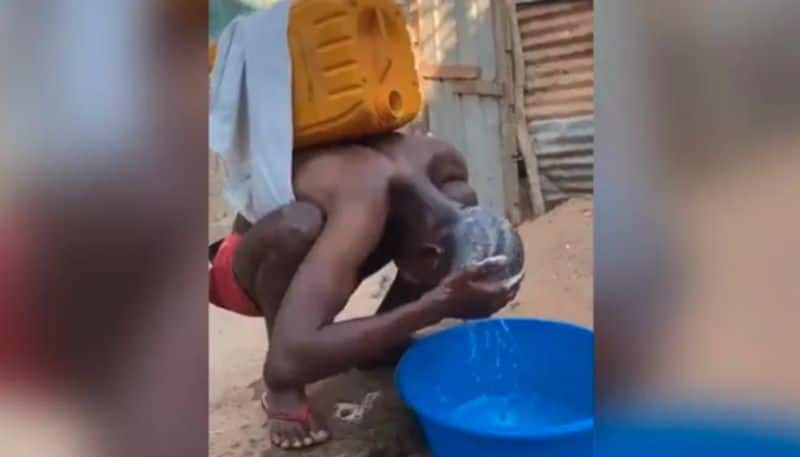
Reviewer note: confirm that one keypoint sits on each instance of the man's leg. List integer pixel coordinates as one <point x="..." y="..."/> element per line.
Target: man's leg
<point x="264" y="264"/>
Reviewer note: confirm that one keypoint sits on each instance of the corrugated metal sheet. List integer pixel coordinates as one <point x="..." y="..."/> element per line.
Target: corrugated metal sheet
<point x="565" y="151"/>
<point x="558" y="44"/>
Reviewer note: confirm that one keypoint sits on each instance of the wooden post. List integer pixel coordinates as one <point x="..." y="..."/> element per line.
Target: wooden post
<point x="507" y="122"/>
<point x="522" y="135"/>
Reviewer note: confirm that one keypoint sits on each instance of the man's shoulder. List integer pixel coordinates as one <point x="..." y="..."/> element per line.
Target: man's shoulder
<point x="351" y="174"/>
<point x="367" y="172"/>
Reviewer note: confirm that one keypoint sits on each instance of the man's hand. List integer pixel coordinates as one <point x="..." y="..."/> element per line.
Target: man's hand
<point x="471" y="294"/>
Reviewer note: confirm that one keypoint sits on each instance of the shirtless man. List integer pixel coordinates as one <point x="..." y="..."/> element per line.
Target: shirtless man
<point x="358" y="207"/>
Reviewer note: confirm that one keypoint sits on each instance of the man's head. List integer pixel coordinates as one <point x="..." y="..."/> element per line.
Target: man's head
<point x="425" y="256"/>
<point x="472" y="235"/>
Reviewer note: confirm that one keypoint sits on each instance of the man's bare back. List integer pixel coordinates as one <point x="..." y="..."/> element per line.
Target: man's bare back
<point x="358" y="207"/>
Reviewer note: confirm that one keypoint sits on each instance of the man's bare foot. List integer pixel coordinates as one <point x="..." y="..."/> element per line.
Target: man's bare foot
<point x="290" y="420"/>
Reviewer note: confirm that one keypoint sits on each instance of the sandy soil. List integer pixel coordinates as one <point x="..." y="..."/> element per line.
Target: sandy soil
<point x="558" y="285"/>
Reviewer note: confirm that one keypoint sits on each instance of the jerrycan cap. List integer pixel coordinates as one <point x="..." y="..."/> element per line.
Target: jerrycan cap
<point x="390" y="106"/>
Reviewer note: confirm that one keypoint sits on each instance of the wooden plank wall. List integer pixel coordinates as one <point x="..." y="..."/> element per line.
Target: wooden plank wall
<point x="463" y="33"/>
<point x="558" y="44"/>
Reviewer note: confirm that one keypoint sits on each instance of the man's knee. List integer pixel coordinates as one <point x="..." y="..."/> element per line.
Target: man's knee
<point x="279" y="238"/>
<point x="302" y="221"/>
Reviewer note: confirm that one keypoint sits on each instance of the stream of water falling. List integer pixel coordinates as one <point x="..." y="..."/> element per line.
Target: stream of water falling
<point x="498" y="345"/>
<point x="515" y="409"/>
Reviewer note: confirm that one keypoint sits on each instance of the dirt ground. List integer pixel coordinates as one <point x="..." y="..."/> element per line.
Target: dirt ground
<point x="362" y="409"/>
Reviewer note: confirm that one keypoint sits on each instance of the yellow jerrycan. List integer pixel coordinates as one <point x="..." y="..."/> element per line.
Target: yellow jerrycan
<point x="353" y="70"/>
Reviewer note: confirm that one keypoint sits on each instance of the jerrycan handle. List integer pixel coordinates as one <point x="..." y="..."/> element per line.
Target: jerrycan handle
<point x="383" y="58"/>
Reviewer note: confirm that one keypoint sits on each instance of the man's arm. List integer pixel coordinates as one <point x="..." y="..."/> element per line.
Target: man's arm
<point x="306" y="345"/>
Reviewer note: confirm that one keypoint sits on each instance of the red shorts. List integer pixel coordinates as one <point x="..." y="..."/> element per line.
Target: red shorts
<point x="223" y="289"/>
<point x="21" y="353"/>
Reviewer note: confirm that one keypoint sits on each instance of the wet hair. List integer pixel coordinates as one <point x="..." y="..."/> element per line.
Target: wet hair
<point x="477" y="234"/>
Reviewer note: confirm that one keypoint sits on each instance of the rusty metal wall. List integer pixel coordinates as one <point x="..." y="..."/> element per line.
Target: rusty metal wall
<point x="565" y="152"/>
<point x="558" y="45"/>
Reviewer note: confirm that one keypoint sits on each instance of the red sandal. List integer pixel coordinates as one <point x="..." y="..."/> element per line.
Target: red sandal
<point x="302" y="415"/>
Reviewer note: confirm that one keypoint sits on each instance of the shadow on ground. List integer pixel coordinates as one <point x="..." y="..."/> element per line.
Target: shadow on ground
<point x="363" y="411"/>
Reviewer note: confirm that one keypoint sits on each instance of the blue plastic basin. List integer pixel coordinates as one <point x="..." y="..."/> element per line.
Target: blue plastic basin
<point x="503" y="387"/>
